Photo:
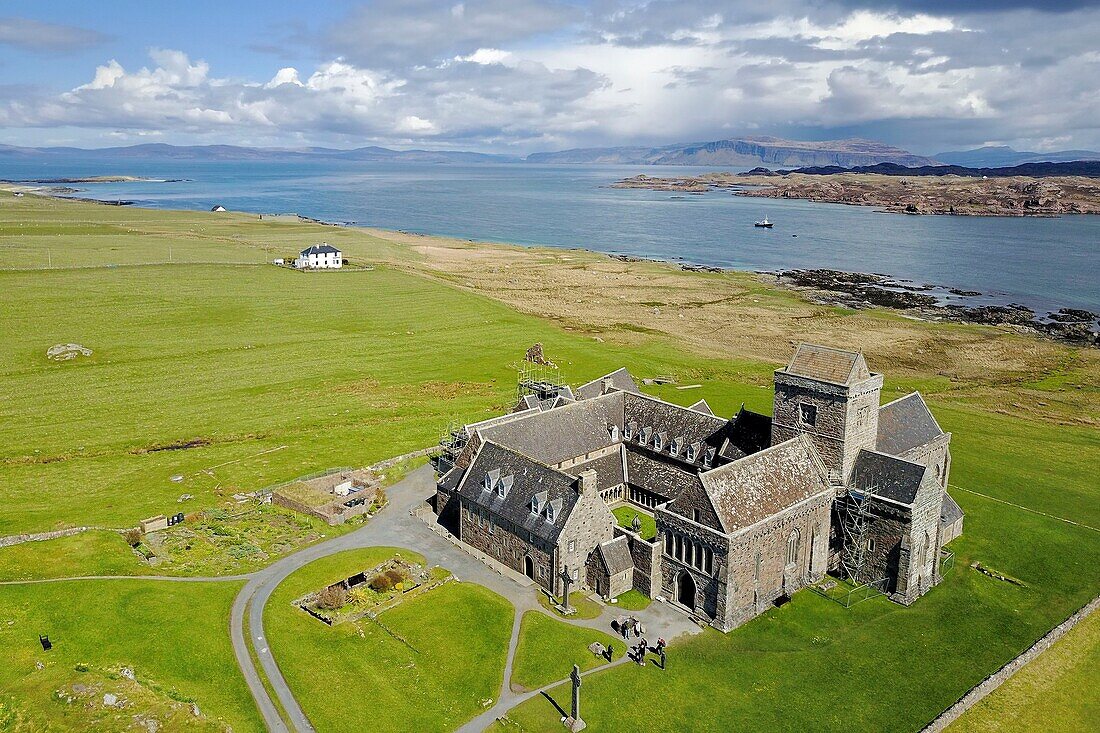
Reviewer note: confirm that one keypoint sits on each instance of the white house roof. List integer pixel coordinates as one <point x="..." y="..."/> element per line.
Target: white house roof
<point x="319" y="249"/>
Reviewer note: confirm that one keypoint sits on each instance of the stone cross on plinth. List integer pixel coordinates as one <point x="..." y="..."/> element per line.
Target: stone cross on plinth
<point x="567" y="579"/>
<point x="574" y="722"/>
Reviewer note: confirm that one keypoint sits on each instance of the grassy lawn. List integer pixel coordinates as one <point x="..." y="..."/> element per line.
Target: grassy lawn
<point x="632" y="600"/>
<point x="1057" y="692"/>
<point x="583" y="606"/>
<point x="548" y="649"/>
<point x="425" y="682"/>
<point x="625" y="515"/>
<point x="172" y="635"/>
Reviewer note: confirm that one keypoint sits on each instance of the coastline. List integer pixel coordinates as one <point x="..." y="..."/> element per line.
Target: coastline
<point x="822" y="286"/>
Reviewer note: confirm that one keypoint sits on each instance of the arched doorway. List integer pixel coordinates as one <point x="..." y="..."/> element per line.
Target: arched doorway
<point x="529" y="567"/>
<point x="685" y="589"/>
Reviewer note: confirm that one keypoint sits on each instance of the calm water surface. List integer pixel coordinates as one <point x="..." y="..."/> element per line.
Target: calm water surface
<point x="1043" y="263"/>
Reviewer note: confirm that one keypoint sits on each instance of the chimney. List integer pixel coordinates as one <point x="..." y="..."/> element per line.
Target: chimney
<point x="586" y="482"/>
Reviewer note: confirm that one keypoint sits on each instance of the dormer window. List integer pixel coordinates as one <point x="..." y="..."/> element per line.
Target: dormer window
<point x="535" y="505"/>
<point x="613" y="431"/>
<point x="643" y="437"/>
<point x="628" y="430"/>
<point x="488" y="482"/>
<point x="504" y="485"/>
<point x="549" y="513"/>
<point x="674" y="448"/>
<point x="708" y="458"/>
<point x="692" y="452"/>
<point x="658" y="441"/>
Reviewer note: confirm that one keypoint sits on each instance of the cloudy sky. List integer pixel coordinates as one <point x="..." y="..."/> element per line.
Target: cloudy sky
<point x="524" y="75"/>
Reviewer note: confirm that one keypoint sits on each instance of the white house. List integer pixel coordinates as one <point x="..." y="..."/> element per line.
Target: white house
<point x="319" y="257"/>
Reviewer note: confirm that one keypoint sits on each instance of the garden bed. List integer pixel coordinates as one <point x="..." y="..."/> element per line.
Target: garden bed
<point x="372" y="591"/>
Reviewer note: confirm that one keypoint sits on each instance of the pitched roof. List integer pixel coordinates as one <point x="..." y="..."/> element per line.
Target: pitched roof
<point x="664" y="478"/>
<point x="749" y="432"/>
<point x="609" y="470"/>
<point x="319" y="249"/>
<point x="619" y="379"/>
<point x="615" y="555"/>
<point x="673" y="420"/>
<point x="560" y="434"/>
<point x="888" y="476"/>
<point x="701" y="406"/>
<point x="950" y="511"/>
<point x="827" y="364"/>
<point x="754" y="488"/>
<point x="528" y="479"/>
<point x="905" y="424"/>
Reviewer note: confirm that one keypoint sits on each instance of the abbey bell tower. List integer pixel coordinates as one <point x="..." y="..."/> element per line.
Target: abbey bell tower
<point x="831" y="396"/>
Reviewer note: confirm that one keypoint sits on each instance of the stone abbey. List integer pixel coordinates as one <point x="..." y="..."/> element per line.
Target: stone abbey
<point x="747" y="510"/>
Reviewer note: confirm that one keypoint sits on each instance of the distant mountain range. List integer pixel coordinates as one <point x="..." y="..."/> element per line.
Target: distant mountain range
<point x="745" y="151"/>
<point x="773" y="152"/>
<point x="1002" y="155"/>
<point x="1085" y="168"/>
<point x="162" y="151"/>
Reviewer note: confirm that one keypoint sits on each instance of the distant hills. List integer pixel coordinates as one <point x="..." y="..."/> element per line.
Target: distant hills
<point x="772" y="152"/>
<point x="745" y="151"/>
<point x="162" y="151"/>
<point x="1001" y="155"/>
<point x="1085" y="168"/>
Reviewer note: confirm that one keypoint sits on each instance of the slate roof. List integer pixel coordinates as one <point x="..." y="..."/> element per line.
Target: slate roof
<point x="905" y="424"/>
<point x="528" y="479"/>
<point x="828" y="364"/>
<point x="950" y="511"/>
<point x="450" y="480"/>
<point x="888" y="476"/>
<point x="615" y="555"/>
<point x="673" y="420"/>
<point x="754" y="488"/>
<point x="664" y="478"/>
<point x="562" y="433"/>
<point x="620" y="380"/>
<point x="319" y="249"/>
<point x="703" y="407"/>
<point x="749" y="432"/>
<point x="609" y="470"/>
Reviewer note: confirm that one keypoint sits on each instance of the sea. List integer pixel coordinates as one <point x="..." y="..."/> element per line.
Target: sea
<point x="1043" y="263"/>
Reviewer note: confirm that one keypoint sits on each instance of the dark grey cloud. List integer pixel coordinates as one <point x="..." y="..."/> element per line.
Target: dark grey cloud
<point x="34" y="35"/>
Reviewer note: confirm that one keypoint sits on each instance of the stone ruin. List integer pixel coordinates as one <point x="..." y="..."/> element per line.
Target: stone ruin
<point x="64" y="352"/>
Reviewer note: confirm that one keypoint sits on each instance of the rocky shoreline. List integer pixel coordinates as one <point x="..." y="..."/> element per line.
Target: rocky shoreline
<point x="860" y="290"/>
<point x="942" y="195"/>
<point x="864" y="290"/>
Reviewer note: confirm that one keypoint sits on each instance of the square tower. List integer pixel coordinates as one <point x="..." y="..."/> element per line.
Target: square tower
<point x="831" y="396"/>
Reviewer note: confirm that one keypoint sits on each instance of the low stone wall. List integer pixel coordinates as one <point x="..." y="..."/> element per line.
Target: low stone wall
<point x="389" y="462"/>
<point x="995" y="680"/>
<point x="18" y="539"/>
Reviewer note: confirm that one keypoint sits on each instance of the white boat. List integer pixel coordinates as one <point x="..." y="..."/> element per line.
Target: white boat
<point x="765" y="224"/>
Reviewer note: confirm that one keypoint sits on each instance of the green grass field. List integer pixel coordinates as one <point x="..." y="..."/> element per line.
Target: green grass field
<point x="548" y="649"/>
<point x="172" y="635"/>
<point x="356" y="676"/>
<point x="280" y="374"/>
<point x="625" y="516"/>
<point x="1056" y="692"/>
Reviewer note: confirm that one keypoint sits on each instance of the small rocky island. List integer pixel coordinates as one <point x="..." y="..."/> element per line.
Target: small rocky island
<point x="951" y="194"/>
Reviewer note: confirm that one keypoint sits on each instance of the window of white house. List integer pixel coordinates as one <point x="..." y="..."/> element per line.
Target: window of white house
<point x="576" y="574"/>
<point x="807" y="414"/>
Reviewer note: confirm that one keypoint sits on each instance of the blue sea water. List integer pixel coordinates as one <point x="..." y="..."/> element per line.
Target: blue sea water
<point x="1043" y="263"/>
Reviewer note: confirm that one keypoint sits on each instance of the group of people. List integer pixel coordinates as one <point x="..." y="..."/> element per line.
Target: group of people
<point x="630" y="625"/>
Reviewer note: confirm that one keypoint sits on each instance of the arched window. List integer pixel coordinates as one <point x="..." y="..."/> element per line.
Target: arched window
<point x="708" y="560"/>
<point x="792" y="548"/>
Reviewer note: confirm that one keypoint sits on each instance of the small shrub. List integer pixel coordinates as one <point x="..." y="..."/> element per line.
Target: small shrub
<point x="333" y="597"/>
<point x="396" y="576"/>
<point x="132" y="537"/>
<point x="381" y="583"/>
<point x="81" y="667"/>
